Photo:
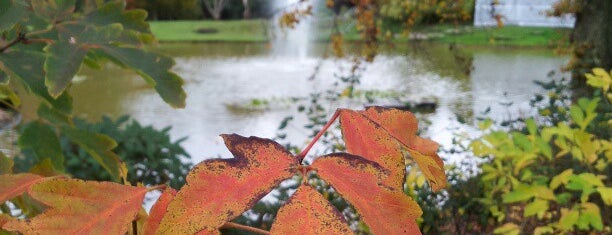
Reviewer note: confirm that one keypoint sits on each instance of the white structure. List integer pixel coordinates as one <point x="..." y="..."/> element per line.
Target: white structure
<point x="519" y="12"/>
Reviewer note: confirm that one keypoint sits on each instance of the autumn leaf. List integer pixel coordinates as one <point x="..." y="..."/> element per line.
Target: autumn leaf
<point x="365" y="138"/>
<point x="384" y="209"/>
<point x="4" y="218"/>
<point x="14" y="185"/>
<point x="364" y="130"/>
<point x="307" y="212"/>
<point x="81" y="207"/>
<point x="158" y="211"/>
<point x="220" y="190"/>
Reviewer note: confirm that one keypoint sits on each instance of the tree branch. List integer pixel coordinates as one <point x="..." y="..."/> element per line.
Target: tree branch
<point x="245" y="228"/>
<point x="20" y="38"/>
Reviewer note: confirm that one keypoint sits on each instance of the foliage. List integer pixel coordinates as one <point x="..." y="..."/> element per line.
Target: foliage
<point x="196" y="9"/>
<point x="377" y="21"/>
<point x="168" y="9"/>
<point x="151" y="157"/>
<point x="550" y="178"/>
<point x="45" y="43"/>
<point x="424" y="12"/>
<point x="233" y="185"/>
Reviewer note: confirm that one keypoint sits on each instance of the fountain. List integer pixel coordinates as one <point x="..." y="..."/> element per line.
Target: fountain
<point x="291" y="42"/>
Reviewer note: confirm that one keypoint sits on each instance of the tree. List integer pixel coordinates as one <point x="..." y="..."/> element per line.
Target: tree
<point x="246" y="14"/>
<point x="214" y="7"/>
<point x="592" y="34"/>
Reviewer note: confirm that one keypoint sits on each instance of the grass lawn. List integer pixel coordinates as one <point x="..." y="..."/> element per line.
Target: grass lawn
<point x="255" y="31"/>
<point x="505" y="36"/>
<point x="223" y="31"/>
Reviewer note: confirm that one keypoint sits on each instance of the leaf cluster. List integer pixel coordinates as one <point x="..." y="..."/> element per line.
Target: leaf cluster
<point x="370" y="176"/>
<point x="550" y="177"/>
<point x="43" y="46"/>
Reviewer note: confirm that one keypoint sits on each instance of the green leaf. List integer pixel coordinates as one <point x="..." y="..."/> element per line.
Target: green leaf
<point x="53" y="116"/>
<point x="43" y="142"/>
<point x="538" y="206"/>
<point x="568" y="219"/>
<point x="606" y="194"/>
<point x="63" y="61"/>
<point x="577" y="115"/>
<point x="599" y="79"/>
<point x="11" y="12"/>
<point x="592" y="179"/>
<point x="520" y="193"/>
<point x="99" y="147"/>
<point x="543" y="230"/>
<point x="8" y="95"/>
<point x="589" y="215"/>
<point x="27" y="65"/>
<point x="485" y="124"/>
<point x="136" y="29"/>
<point x="544" y="147"/>
<point x="577" y="183"/>
<point x="4" y="79"/>
<point x="561" y="178"/>
<point x="531" y="126"/>
<point x="522" y="141"/>
<point x="543" y="192"/>
<point x="53" y="10"/>
<point x="6" y="164"/>
<point x="154" y="68"/>
<point x="89" y="35"/>
<point x="45" y="168"/>
<point x="508" y="229"/>
<point x="564" y="198"/>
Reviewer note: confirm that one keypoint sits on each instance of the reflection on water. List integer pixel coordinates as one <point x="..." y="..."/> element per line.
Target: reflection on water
<point x="217" y="74"/>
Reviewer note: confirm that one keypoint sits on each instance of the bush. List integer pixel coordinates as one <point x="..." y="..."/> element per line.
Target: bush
<point x="149" y="154"/>
<point x="550" y="174"/>
<point x="151" y="157"/>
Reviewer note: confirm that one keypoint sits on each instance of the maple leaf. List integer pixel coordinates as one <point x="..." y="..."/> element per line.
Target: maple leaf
<point x="307" y="212"/>
<point x="158" y="211"/>
<point x="367" y="133"/>
<point x="360" y="181"/>
<point x="14" y="185"/>
<point x="81" y="207"/>
<point x="364" y="138"/>
<point x="220" y="190"/>
<point x="4" y="218"/>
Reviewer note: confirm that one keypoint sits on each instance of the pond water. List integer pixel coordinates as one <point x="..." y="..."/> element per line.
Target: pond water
<point x="222" y="76"/>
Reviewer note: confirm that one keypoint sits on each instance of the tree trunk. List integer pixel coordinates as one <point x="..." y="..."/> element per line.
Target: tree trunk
<point x="246" y="14"/>
<point x="214" y="7"/>
<point x="592" y="37"/>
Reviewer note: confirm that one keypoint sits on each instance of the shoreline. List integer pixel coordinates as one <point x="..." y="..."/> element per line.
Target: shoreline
<point x="256" y="31"/>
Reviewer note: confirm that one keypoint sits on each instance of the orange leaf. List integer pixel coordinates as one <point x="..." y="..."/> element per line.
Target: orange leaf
<point x="403" y="126"/>
<point x="221" y="189"/>
<point x="14" y="185"/>
<point x="307" y="212"/>
<point x="158" y="211"/>
<point x="365" y="138"/>
<point x="384" y="209"/>
<point x="81" y="207"/>
<point x="4" y="218"/>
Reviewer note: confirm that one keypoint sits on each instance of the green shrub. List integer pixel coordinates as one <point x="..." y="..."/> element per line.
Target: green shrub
<point x="551" y="175"/>
<point x="151" y="157"/>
